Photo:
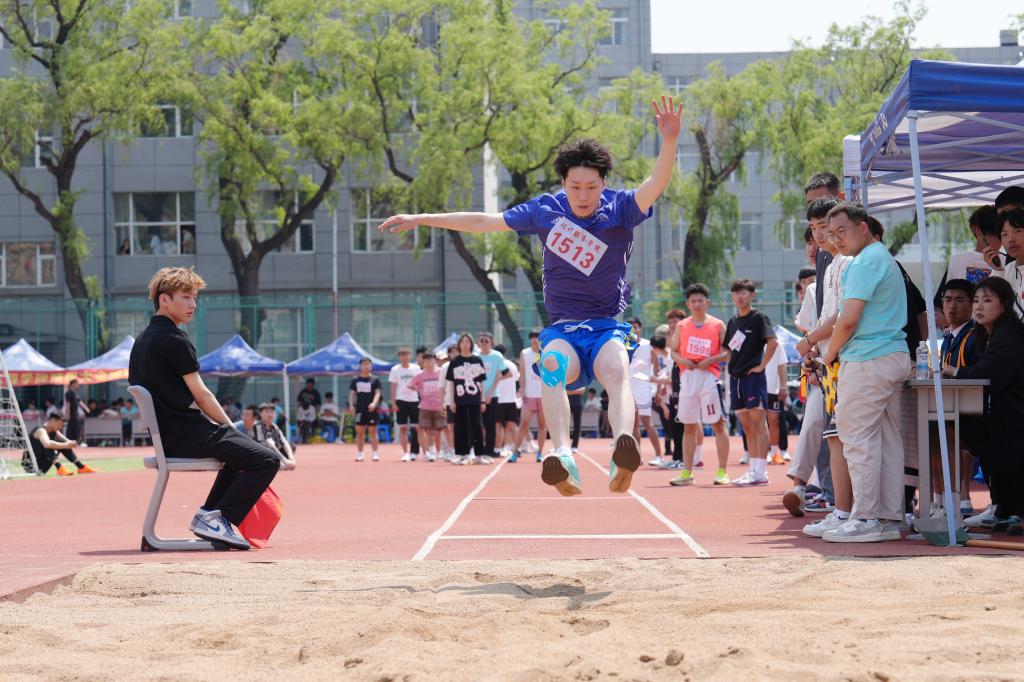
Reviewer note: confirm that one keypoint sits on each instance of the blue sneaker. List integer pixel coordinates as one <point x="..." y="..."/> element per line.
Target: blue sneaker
<point x="559" y="470"/>
<point x="513" y="457"/>
<point x="211" y="525"/>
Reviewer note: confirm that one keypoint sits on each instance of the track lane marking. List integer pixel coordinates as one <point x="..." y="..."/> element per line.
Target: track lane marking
<point x="671" y="525"/>
<point x="436" y="535"/>
<point x="619" y="536"/>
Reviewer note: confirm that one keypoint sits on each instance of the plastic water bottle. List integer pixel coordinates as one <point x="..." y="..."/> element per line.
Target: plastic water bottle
<point x="921" y="368"/>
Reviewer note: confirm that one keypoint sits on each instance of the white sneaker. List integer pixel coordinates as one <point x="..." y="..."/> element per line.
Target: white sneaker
<point x="484" y="459"/>
<point x="375" y="457"/>
<point x="656" y="462"/>
<point x="786" y="456"/>
<point x="745" y="458"/>
<point x="431" y="457"/>
<point x="359" y="457"/>
<point x="470" y="460"/>
<point x="985" y="519"/>
<point x="406" y="457"/>
<point x="856" y="530"/>
<point x="751" y="479"/>
<point x="456" y="459"/>
<point x="413" y="457"/>
<point x="819" y="528"/>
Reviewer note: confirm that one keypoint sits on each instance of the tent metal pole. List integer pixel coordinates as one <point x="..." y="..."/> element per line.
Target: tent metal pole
<point x="952" y="512"/>
<point x="287" y="403"/>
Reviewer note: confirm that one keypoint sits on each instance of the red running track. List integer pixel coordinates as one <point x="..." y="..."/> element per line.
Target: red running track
<point x="336" y="508"/>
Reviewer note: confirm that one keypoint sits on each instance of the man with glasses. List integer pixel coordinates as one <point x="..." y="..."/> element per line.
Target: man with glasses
<point x="869" y="340"/>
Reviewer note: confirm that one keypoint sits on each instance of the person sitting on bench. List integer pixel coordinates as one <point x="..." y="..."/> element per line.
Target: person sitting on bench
<point x="49" y="442"/>
<point x="164" y="361"/>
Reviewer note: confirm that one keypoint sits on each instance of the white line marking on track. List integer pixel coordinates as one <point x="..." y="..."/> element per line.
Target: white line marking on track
<point x="620" y="536"/>
<point x="676" y="530"/>
<point x="558" y="498"/>
<point x="432" y="540"/>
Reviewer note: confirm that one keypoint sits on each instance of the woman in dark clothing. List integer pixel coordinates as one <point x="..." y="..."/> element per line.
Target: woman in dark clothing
<point x="1001" y="340"/>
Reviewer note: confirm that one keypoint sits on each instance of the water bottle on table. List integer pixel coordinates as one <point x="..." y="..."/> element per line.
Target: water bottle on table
<point x="922" y="370"/>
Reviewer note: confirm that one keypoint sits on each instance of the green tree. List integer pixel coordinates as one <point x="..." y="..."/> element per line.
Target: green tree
<point x="820" y="95"/>
<point x="85" y="71"/>
<point x="269" y="83"/>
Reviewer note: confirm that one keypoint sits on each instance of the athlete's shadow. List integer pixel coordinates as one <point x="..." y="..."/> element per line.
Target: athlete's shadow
<point x="576" y="594"/>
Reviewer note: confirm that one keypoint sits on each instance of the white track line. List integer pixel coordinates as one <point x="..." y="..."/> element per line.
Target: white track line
<point x="621" y="536"/>
<point x="578" y="498"/>
<point x="432" y="540"/>
<point x="676" y="530"/>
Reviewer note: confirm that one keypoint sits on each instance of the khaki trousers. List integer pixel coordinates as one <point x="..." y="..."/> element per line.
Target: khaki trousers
<point x="807" y="448"/>
<point x="867" y="419"/>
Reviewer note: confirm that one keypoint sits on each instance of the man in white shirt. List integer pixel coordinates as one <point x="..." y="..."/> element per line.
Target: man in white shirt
<point x="406" y="403"/>
<point x="507" y="417"/>
<point x="330" y="414"/>
<point x="529" y="390"/>
<point x="775" y="378"/>
<point x="641" y="368"/>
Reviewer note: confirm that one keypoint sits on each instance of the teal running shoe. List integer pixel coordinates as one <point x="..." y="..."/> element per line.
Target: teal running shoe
<point x="559" y="470"/>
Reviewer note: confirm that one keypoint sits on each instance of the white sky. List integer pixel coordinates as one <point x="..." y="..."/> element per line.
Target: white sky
<point x="769" y="25"/>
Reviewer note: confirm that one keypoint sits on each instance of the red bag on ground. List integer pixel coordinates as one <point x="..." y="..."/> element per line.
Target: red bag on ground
<point x="262" y="519"/>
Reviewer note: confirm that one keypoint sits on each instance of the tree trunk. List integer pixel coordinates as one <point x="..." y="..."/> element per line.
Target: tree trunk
<point x="494" y="296"/>
<point x="532" y="266"/>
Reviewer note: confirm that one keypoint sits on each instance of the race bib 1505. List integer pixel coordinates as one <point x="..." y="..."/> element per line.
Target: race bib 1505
<point x="698" y="346"/>
<point x="576" y="246"/>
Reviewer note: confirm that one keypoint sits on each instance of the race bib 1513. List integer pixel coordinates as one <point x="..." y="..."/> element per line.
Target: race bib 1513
<point x="576" y="246"/>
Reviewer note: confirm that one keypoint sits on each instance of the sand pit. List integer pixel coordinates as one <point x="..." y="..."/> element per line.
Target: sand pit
<point x="665" y="619"/>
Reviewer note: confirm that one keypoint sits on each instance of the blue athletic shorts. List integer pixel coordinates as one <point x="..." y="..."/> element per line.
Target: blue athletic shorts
<point x="749" y="391"/>
<point x="587" y="338"/>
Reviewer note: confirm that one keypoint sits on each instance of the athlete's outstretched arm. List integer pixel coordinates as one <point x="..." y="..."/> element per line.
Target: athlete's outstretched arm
<point x="669" y="124"/>
<point x="460" y="222"/>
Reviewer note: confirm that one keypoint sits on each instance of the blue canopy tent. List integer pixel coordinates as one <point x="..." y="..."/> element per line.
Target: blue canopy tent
<point x="236" y="358"/>
<point x="338" y="358"/>
<point x="788" y="341"/>
<point x="950" y="135"/>
<point x="111" y="366"/>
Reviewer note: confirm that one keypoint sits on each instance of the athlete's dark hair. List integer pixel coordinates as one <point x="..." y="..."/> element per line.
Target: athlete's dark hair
<point x="959" y="285"/>
<point x="986" y="219"/>
<point x="429" y="354"/>
<point x="819" y="208"/>
<point x="362" y="360"/>
<point x="876" y="227"/>
<point x="805" y="273"/>
<point x="808" y="235"/>
<point x="698" y="288"/>
<point x="635" y="320"/>
<point x="1015" y="216"/>
<point x="585" y="153"/>
<point x="1011" y="196"/>
<point x="744" y="285"/>
<point x="852" y="210"/>
<point x="1002" y="290"/>
<point x="420" y="350"/>
<point x="827" y="180"/>
<point x="675" y="312"/>
<point x="658" y="341"/>
<point x="255" y="409"/>
<point x="500" y="348"/>
<point x="534" y="333"/>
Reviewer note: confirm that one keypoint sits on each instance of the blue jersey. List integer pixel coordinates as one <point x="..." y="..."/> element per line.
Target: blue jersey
<point x="584" y="258"/>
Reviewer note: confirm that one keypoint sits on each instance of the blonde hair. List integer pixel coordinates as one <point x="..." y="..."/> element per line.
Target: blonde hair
<point x="172" y="280"/>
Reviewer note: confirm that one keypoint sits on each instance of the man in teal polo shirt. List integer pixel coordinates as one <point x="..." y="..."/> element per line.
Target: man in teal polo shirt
<point x="871" y="346"/>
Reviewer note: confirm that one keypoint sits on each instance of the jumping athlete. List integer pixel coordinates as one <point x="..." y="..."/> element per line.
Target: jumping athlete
<point x="588" y="237"/>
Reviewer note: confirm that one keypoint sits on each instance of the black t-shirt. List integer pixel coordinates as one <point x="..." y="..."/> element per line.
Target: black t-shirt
<point x="71" y="403"/>
<point x="915" y="306"/>
<point x="755" y="329"/>
<point x="468" y="376"/>
<point x="821" y="262"/>
<point x="365" y="388"/>
<point x="38" y="450"/>
<point x="161" y="357"/>
<point x="310" y="396"/>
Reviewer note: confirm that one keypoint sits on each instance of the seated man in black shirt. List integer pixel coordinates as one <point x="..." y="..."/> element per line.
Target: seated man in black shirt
<point x="164" y="361"/>
<point x="48" y="443"/>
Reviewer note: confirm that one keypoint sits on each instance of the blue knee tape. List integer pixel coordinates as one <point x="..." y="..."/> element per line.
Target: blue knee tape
<point x="555" y="377"/>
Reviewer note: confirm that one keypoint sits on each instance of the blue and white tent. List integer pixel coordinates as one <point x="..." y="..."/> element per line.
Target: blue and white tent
<point x="950" y="135"/>
<point x="236" y="358"/>
<point x="338" y="358"/>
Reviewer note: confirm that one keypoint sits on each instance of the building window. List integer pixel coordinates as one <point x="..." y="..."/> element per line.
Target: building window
<point x="620" y="29"/>
<point x="793" y="235"/>
<point x="676" y="84"/>
<point x="688" y="162"/>
<point x="269" y="219"/>
<point x="42" y="149"/>
<point x="155" y="224"/>
<point x="182" y="9"/>
<point x="27" y="264"/>
<point x="370" y="207"/>
<point x="175" y="122"/>
<point x="750" y="225"/>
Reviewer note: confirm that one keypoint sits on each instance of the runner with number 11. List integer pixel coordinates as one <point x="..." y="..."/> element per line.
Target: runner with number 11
<point x="587" y="230"/>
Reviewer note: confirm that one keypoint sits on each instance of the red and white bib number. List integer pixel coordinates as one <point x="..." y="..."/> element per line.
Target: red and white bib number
<point x="576" y="246"/>
<point x="698" y="346"/>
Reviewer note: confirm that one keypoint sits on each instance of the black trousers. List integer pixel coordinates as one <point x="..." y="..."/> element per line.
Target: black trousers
<point x="576" y="410"/>
<point x="50" y="457"/>
<point x="249" y="467"/>
<point x="469" y="431"/>
<point x="666" y="415"/>
<point x="74" y="429"/>
<point x="490" y="427"/>
<point x="1008" y="493"/>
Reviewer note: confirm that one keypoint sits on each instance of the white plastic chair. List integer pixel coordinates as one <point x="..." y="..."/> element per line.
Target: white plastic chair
<point x="164" y="466"/>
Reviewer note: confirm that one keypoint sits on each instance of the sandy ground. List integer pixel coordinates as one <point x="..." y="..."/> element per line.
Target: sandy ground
<point x="667" y="619"/>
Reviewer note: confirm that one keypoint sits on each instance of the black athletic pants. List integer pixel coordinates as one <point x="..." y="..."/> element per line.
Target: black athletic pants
<point x="469" y="431"/>
<point x="1008" y="493"/>
<point x="667" y="417"/>
<point x="576" y="410"/>
<point x="249" y="467"/>
<point x="490" y="427"/>
<point x="50" y="458"/>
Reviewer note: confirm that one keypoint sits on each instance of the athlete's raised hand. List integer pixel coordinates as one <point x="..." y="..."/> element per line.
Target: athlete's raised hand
<point x="403" y="222"/>
<point x="668" y="117"/>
